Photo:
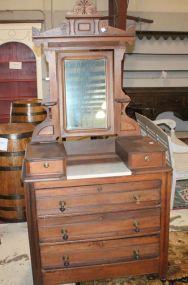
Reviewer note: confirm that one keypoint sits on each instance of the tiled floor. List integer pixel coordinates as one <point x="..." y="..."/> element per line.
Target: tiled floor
<point x="15" y="265"/>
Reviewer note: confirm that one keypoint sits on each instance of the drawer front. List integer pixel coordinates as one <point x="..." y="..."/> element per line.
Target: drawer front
<point x="98" y="198"/>
<point x="98" y="272"/>
<point x="154" y="159"/>
<point x="99" y="226"/>
<point x="98" y="252"/>
<point x="45" y="167"/>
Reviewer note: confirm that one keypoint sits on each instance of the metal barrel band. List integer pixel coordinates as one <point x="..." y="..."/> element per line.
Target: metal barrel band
<point x="13" y="220"/>
<point x="10" y="168"/>
<point x="26" y="104"/>
<point x="12" y="154"/>
<point x="30" y="122"/>
<point x="36" y="122"/>
<point x="16" y="208"/>
<point x="12" y="197"/>
<point x="28" y="113"/>
<point x="16" y="136"/>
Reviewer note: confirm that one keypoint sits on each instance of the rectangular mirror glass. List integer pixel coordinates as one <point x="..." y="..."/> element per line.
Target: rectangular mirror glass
<point x="85" y="93"/>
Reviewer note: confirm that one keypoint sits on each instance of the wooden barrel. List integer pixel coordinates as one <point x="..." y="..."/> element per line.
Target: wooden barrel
<point x="27" y="111"/>
<point x="12" y="201"/>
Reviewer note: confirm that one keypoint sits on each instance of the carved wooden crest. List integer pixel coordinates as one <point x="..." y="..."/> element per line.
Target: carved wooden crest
<point x="84" y="7"/>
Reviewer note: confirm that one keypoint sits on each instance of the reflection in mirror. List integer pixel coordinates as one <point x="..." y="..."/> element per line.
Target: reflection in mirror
<point x="85" y="93"/>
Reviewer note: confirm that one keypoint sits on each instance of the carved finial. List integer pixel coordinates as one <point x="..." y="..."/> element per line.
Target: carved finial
<point x="84" y="7"/>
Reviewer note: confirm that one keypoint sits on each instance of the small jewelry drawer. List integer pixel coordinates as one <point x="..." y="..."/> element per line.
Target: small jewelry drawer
<point x="45" y="161"/>
<point x="45" y="167"/>
<point x="140" y="160"/>
<point x="140" y="152"/>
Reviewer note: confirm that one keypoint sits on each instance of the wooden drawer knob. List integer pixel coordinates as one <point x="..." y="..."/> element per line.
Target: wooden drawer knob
<point x="147" y="157"/>
<point x="99" y="188"/>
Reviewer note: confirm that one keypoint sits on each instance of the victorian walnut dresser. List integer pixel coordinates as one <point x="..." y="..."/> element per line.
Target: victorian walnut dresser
<point x="96" y="208"/>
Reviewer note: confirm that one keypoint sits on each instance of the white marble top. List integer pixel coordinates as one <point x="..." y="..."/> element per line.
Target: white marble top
<point x="95" y="170"/>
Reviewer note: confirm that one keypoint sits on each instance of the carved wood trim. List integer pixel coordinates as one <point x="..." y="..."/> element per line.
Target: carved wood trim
<point x="44" y="132"/>
<point x="64" y="31"/>
<point x="84" y="7"/>
<point x="124" y="124"/>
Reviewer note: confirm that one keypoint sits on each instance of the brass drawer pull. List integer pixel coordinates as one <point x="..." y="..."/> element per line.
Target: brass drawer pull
<point x="147" y="157"/>
<point x="65" y="234"/>
<point x="136" y="226"/>
<point x="136" y="198"/>
<point x="99" y="188"/>
<point x="66" y="260"/>
<point x="46" y="164"/>
<point x="62" y="206"/>
<point x="136" y="254"/>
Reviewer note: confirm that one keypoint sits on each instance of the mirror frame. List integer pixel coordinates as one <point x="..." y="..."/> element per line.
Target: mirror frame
<point x="78" y="55"/>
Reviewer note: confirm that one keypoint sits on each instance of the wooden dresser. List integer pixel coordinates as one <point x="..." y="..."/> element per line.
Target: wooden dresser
<point x="95" y="228"/>
<point x="96" y="209"/>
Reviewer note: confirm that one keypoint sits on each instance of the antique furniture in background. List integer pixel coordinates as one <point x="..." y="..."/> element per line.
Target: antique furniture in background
<point x="95" y="208"/>
<point x="152" y="101"/>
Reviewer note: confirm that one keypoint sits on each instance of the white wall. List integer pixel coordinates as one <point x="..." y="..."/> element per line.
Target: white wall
<point x="53" y="11"/>
<point x="180" y="6"/>
<point x="134" y="5"/>
<point x="46" y="4"/>
<point x="165" y="62"/>
<point x="157" y="63"/>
